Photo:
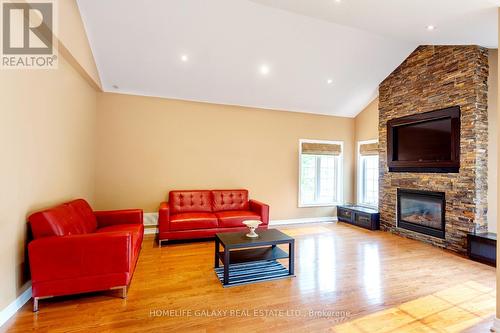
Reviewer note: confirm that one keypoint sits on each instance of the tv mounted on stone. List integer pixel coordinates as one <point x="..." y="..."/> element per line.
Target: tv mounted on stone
<point x="425" y="142"/>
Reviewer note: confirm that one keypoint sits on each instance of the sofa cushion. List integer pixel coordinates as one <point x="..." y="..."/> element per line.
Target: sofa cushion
<point x="235" y="218"/>
<point x="189" y="201"/>
<point x="224" y="200"/>
<point x="190" y="221"/>
<point x="136" y="230"/>
<point x="62" y="220"/>
<point x="83" y="209"/>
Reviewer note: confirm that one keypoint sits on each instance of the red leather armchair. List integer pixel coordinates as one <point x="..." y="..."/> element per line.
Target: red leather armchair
<point x="76" y="250"/>
<point x="201" y="214"/>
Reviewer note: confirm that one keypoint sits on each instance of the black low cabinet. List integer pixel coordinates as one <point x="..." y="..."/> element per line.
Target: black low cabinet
<point x="482" y="247"/>
<point x="359" y="216"/>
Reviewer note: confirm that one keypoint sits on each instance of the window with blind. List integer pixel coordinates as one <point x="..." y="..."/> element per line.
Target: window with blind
<point x="368" y="173"/>
<point x="320" y="173"/>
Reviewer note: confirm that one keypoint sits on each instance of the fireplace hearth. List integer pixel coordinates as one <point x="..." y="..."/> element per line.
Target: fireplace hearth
<point x="421" y="211"/>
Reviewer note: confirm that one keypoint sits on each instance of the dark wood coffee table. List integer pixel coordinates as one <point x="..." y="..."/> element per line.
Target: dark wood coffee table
<point x="240" y="249"/>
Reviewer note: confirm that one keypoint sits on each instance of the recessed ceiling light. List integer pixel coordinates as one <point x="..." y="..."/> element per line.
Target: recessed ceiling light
<point x="264" y="69"/>
<point x="338" y="1"/>
<point x="329" y="81"/>
<point x="431" y="27"/>
<point x="184" y="58"/>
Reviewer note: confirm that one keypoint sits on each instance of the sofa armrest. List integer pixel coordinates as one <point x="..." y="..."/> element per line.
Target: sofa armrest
<point x="164" y="217"/>
<point x="260" y="208"/>
<point x="76" y="256"/>
<point x="116" y="217"/>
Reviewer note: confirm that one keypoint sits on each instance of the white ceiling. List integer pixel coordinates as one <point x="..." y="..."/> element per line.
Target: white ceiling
<point x="457" y="21"/>
<point x="138" y="47"/>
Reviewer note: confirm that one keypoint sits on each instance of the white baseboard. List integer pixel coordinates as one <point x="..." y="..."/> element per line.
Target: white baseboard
<point x="150" y="223"/>
<point x="304" y="220"/>
<point x="496" y="325"/>
<point x="151" y="219"/>
<point x="12" y="308"/>
<point x="150" y="231"/>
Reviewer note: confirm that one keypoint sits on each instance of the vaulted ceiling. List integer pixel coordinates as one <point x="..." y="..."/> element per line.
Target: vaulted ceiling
<point x="317" y="56"/>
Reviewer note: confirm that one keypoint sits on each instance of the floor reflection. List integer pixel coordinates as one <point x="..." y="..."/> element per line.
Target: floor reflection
<point x="318" y="258"/>
<point x="371" y="273"/>
<point x="326" y="265"/>
<point x="454" y="309"/>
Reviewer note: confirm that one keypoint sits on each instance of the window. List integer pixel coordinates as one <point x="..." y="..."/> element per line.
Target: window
<point x="368" y="173"/>
<point x="320" y="173"/>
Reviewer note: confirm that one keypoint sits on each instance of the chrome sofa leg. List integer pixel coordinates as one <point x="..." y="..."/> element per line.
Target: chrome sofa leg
<point x="35" y="304"/>
<point x="36" y="301"/>
<point x="160" y="241"/>
<point x="123" y="291"/>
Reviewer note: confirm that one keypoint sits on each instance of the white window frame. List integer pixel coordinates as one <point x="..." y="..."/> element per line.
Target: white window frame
<point x="340" y="178"/>
<point x="359" y="175"/>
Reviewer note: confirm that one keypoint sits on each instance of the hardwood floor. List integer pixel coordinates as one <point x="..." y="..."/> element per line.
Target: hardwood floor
<point x="348" y="280"/>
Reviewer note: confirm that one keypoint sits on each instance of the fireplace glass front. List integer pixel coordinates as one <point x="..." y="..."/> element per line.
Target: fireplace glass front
<point x="422" y="211"/>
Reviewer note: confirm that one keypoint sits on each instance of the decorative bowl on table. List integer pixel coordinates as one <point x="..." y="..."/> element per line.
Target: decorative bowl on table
<point x="252" y="225"/>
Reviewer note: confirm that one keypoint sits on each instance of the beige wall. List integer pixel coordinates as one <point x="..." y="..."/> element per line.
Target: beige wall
<point x="148" y="146"/>
<point x="366" y="123"/>
<point x="47" y="143"/>
<point x="365" y="128"/>
<point x="74" y="38"/>
<point x="47" y="140"/>
<point x="492" y="140"/>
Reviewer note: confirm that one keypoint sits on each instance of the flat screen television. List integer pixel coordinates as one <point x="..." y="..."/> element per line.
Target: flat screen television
<point x="425" y="142"/>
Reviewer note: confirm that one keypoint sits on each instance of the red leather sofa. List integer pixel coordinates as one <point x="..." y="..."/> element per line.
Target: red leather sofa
<point x="76" y="250"/>
<point x="202" y="214"/>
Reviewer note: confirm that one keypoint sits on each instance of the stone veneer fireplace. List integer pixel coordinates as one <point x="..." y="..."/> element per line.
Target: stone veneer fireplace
<point x="432" y="78"/>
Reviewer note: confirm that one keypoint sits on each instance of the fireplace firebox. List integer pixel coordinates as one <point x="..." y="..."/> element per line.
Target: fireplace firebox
<point x="422" y="211"/>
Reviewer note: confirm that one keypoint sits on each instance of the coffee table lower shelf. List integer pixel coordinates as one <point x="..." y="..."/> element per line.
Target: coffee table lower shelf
<point x="253" y="272"/>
